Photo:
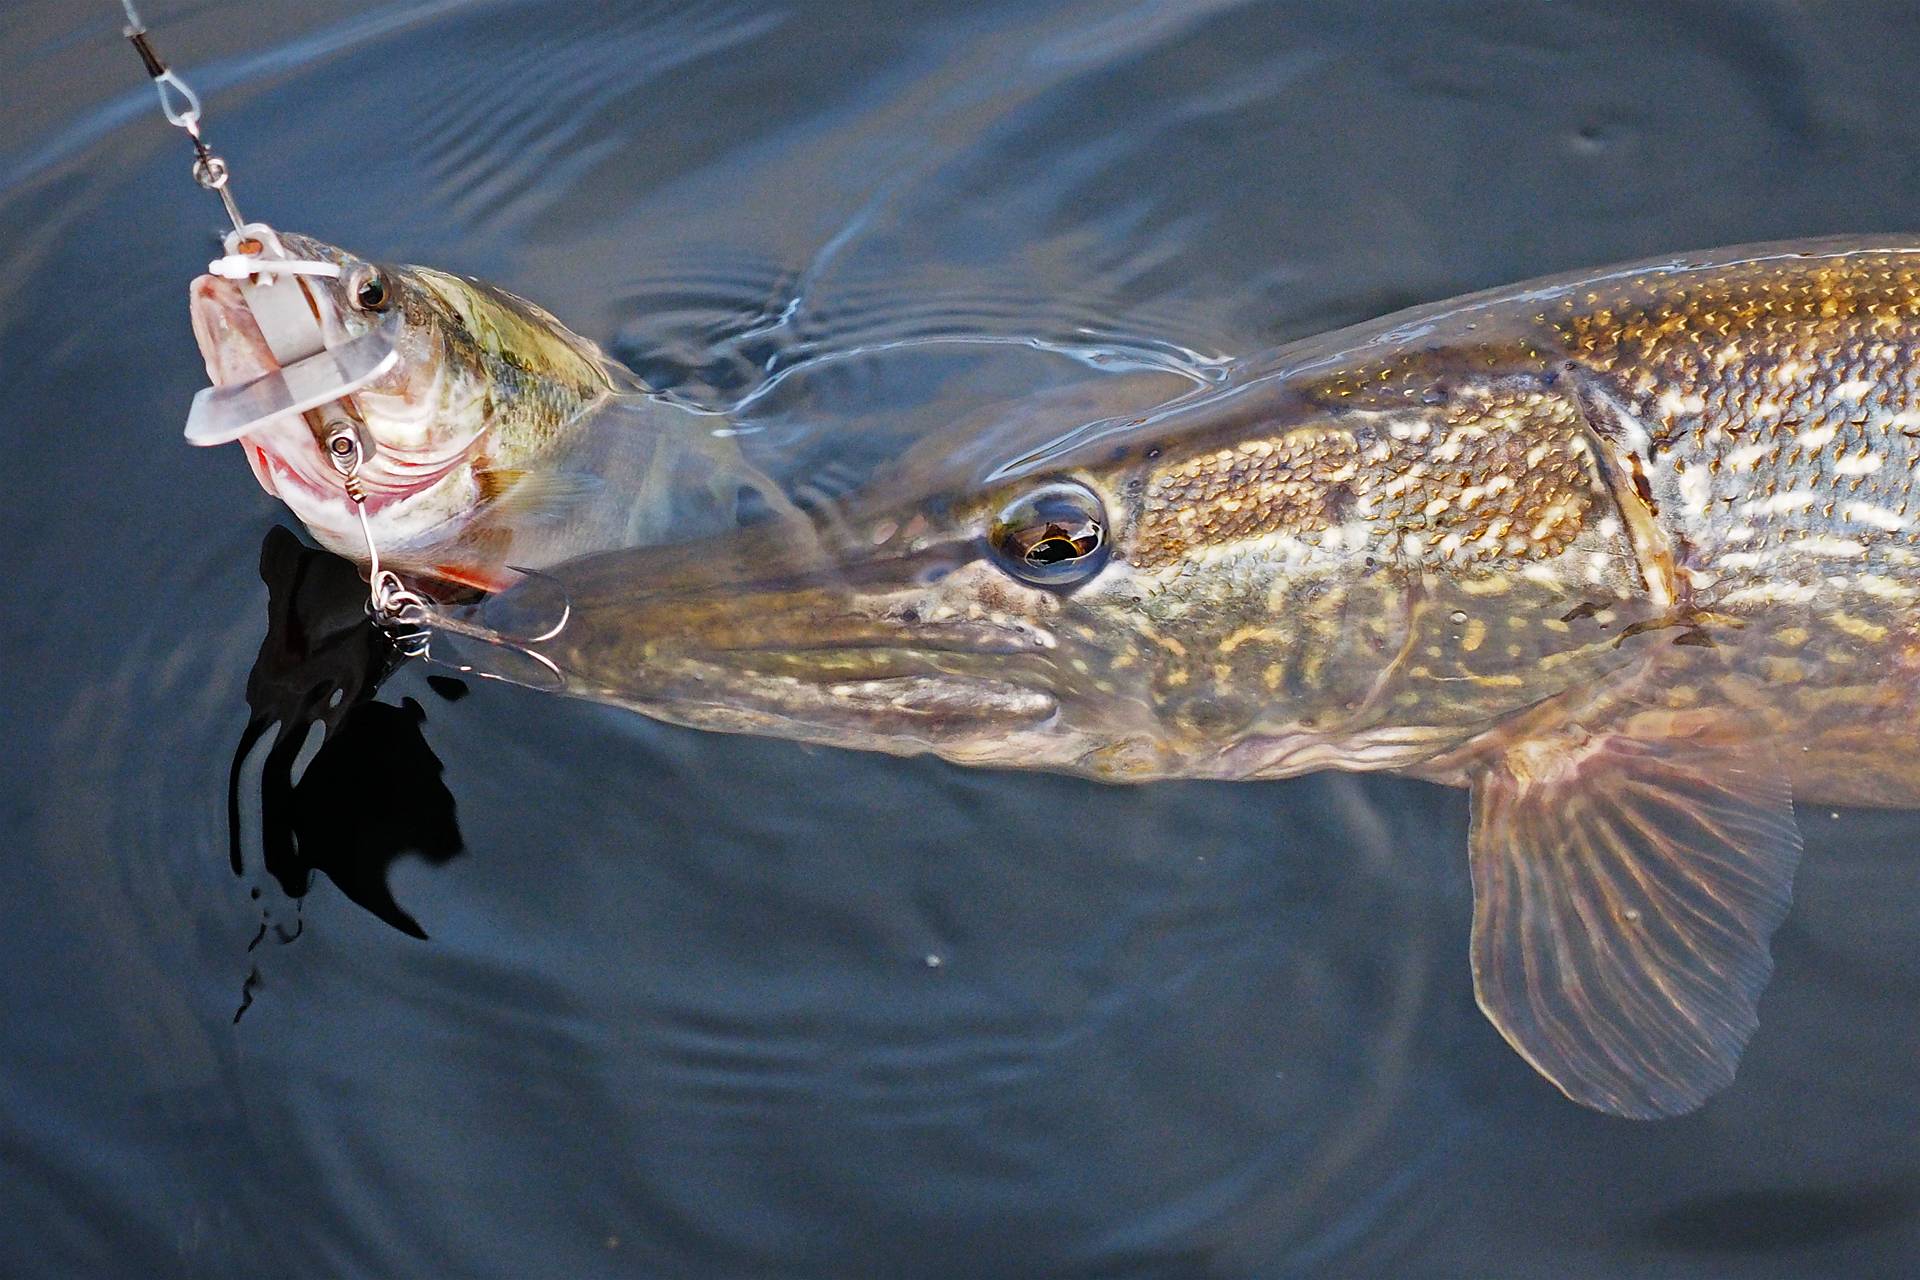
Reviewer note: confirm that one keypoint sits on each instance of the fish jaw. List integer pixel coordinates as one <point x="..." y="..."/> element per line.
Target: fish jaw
<point x="408" y="495"/>
<point x="755" y="634"/>
<point x="812" y="664"/>
<point x="236" y="352"/>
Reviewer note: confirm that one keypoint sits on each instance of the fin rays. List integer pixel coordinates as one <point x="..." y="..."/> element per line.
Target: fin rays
<point x="1622" y="910"/>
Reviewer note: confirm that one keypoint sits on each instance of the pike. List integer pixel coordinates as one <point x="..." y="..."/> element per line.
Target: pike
<point x="1630" y="554"/>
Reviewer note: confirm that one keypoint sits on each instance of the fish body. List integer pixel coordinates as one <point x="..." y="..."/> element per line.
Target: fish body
<point x="1631" y="554"/>
<point x="1369" y="549"/>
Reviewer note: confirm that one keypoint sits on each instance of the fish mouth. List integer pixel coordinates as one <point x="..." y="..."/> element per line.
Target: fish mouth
<point x="819" y="662"/>
<point x="937" y="681"/>
<point x="236" y="351"/>
<point x="284" y="453"/>
<point x="231" y="343"/>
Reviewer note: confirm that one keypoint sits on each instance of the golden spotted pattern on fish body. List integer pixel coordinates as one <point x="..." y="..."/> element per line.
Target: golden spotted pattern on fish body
<point x="1757" y="425"/>
<point x="1630" y="554"/>
<point x="1504" y="471"/>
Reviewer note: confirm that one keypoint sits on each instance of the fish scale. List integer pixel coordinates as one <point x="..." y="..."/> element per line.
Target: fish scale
<point x="1775" y="368"/>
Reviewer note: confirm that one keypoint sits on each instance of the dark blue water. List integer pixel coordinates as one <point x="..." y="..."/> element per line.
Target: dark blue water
<point x="504" y="986"/>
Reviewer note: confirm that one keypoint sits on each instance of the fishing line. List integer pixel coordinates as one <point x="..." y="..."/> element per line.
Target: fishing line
<point x="181" y="106"/>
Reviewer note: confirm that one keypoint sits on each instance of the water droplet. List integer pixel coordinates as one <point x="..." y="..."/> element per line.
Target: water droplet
<point x="1458" y="616"/>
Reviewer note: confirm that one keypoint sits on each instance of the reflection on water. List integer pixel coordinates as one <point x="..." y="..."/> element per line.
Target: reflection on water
<point x="699" y="1005"/>
<point x="371" y="791"/>
<point x="1761" y="1222"/>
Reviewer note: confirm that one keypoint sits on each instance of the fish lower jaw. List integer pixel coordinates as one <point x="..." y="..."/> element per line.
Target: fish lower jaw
<point x="902" y="714"/>
<point x="396" y="520"/>
<point x="930" y="709"/>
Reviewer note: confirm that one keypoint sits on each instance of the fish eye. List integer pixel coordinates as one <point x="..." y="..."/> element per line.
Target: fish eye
<point x="1055" y="536"/>
<point x="368" y="289"/>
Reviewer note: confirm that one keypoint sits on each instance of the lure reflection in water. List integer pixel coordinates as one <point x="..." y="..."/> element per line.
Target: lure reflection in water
<point x="1630" y="554"/>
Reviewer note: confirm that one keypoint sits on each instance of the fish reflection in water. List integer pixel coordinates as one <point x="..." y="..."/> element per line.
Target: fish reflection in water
<point x="372" y="792"/>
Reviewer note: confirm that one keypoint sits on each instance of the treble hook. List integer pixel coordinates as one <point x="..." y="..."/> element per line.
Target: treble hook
<point x="418" y="612"/>
<point x="411" y="618"/>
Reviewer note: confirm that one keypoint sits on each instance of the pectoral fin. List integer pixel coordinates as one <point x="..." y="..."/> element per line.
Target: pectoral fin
<point x="1624" y="895"/>
<point x="542" y="497"/>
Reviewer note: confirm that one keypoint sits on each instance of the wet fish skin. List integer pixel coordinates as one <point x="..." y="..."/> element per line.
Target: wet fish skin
<point x="1629" y="553"/>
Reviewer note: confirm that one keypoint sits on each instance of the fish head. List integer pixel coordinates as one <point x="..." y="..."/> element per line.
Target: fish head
<point x="991" y="627"/>
<point x="1029" y="623"/>
<point x="1234" y="592"/>
<point x="483" y="383"/>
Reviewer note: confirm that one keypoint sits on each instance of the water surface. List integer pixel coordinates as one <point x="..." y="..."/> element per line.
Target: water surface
<point x="509" y="986"/>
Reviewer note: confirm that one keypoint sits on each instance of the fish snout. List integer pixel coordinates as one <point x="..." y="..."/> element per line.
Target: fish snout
<point x="816" y="658"/>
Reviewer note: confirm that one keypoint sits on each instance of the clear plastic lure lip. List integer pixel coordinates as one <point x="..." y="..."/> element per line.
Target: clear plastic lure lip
<point x="267" y="300"/>
<point x="223" y="414"/>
